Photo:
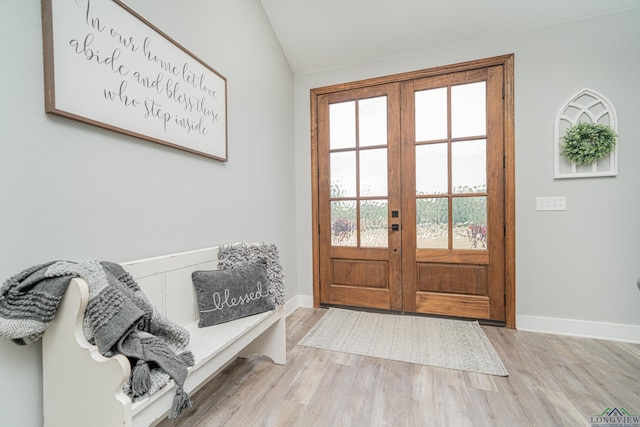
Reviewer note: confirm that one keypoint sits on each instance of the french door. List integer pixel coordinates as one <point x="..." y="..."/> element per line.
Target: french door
<point x="409" y="194"/>
<point x="359" y="190"/>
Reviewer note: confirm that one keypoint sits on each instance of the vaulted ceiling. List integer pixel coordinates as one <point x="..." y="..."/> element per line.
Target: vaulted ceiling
<point x="323" y="34"/>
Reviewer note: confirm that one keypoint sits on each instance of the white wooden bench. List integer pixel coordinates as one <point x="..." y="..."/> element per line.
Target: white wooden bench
<point x="81" y="387"/>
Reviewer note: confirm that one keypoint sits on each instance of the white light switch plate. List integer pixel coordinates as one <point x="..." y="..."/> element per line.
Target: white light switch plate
<point x="551" y="203"/>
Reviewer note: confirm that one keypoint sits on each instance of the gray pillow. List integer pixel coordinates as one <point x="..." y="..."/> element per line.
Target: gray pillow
<point x="225" y="295"/>
<point x="241" y="254"/>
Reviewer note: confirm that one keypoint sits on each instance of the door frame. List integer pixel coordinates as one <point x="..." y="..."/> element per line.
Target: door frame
<point x="507" y="62"/>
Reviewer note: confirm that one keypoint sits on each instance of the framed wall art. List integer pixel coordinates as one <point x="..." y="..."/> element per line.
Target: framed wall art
<point x="107" y="66"/>
<point x="589" y="108"/>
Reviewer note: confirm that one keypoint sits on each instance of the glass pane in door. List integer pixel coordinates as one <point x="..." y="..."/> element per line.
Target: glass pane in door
<point x="468" y="110"/>
<point x="431" y="169"/>
<point x="373" y="172"/>
<point x="431" y="114"/>
<point x="452" y="167"/>
<point x="374" y="223"/>
<point x="432" y="222"/>
<point x="343" y="223"/>
<point x="358" y="171"/>
<point x="469" y="166"/>
<point x="342" y="125"/>
<point x="343" y="174"/>
<point x="372" y="115"/>
<point x="470" y="223"/>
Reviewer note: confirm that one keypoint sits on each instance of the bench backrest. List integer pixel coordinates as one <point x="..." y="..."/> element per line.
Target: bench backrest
<point x="166" y="281"/>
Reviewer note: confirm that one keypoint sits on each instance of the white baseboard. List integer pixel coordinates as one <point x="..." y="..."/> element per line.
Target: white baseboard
<point x="579" y="328"/>
<point x="298" y="301"/>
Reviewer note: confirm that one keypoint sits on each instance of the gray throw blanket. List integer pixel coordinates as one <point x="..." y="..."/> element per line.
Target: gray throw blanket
<point x="119" y="319"/>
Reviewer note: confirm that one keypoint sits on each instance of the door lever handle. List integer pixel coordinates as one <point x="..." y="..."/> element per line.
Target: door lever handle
<point x="395" y="227"/>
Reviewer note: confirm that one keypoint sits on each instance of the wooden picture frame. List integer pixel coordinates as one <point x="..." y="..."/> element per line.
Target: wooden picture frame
<point x="107" y="66"/>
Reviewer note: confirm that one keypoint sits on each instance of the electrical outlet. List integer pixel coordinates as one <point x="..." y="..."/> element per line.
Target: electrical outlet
<point x="551" y="203"/>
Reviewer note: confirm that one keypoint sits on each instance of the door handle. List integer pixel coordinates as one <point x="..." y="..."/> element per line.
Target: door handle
<point x="395" y="227"/>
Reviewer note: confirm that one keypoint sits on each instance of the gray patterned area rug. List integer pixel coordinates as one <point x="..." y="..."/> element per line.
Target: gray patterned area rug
<point x="444" y="343"/>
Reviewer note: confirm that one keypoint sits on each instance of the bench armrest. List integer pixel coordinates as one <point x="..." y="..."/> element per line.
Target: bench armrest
<point x="80" y="384"/>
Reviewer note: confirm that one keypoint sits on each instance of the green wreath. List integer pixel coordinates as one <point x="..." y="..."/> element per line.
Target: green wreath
<point x="585" y="143"/>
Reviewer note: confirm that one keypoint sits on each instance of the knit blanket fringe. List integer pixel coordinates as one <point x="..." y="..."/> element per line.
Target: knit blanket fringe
<point x="119" y="319"/>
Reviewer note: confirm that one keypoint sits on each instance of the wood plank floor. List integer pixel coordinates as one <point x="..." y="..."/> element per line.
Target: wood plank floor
<point x="553" y="381"/>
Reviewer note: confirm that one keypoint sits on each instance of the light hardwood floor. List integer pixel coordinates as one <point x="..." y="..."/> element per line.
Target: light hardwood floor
<point x="553" y="381"/>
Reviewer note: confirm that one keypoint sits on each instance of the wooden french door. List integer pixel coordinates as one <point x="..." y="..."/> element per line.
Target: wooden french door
<point x="411" y="202"/>
<point x="359" y="189"/>
<point x="453" y="193"/>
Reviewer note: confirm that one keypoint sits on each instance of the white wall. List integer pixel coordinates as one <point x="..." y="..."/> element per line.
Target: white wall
<point x="576" y="270"/>
<point x="73" y="191"/>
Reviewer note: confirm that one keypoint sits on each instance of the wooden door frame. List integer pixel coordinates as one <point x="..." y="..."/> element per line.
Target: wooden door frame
<point x="507" y="62"/>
